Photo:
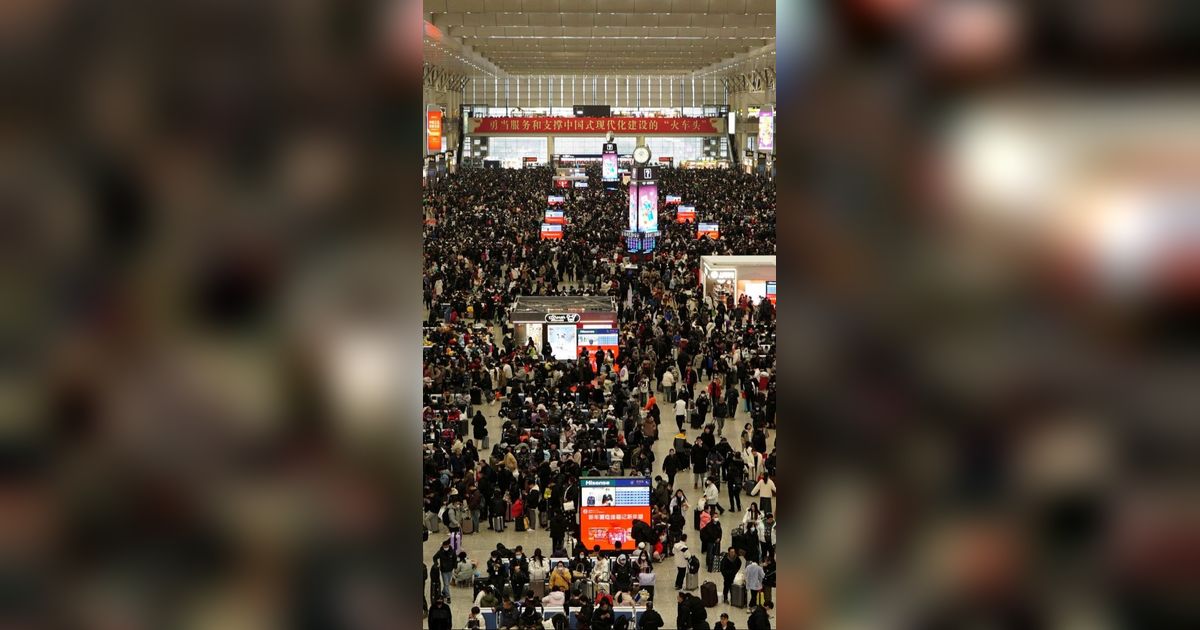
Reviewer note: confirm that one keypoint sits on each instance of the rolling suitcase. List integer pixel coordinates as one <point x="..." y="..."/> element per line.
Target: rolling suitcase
<point x="737" y="595"/>
<point x="498" y="523"/>
<point x="544" y="519"/>
<point x="696" y="518"/>
<point x="708" y="594"/>
<point x="468" y="526"/>
<point x="539" y="588"/>
<point x="432" y="522"/>
<point x="691" y="581"/>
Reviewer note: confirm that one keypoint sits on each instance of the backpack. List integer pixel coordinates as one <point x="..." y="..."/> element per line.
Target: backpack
<point x="693" y="565"/>
<point x="621" y="623"/>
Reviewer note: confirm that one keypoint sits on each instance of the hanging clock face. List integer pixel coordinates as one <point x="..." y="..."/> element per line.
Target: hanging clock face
<point x="641" y="155"/>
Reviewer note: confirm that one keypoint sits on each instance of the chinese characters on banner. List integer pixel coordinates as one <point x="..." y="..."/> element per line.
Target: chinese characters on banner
<point x="560" y="125"/>
<point x="434" y="128"/>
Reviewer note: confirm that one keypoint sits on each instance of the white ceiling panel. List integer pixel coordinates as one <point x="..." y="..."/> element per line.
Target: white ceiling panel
<point x="596" y="36"/>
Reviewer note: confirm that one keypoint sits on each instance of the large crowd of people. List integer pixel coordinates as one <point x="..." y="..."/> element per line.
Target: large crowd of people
<point x="705" y="361"/>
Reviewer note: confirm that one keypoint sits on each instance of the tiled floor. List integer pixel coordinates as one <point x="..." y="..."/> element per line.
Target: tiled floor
<point x="479" y="544"/>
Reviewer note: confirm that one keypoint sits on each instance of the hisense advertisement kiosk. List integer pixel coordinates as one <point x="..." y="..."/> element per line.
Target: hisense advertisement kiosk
<point x="570" y="323"/>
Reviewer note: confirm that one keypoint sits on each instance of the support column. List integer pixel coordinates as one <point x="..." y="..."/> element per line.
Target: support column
<point x="549" y="148"/>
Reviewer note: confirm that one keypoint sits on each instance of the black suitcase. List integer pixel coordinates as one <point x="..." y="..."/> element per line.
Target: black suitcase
<point x="476" y="396"/>
<point x="708" y="594"/>
<point x="737" y="595"/>
<point x="696" y="518"/>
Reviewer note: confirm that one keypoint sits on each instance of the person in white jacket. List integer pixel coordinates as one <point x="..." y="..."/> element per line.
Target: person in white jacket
<point x="754" y="462"/>
<point x="554" y="598"/>
<point x="668" y="384"/>
<point x="600" y="572"/>
<point x="765" y="491"/>
<point x="681" y="561"/>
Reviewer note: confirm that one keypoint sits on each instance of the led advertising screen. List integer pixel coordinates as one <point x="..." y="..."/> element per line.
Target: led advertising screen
<point x="608" y="166"/>
<point x="555" y="216"/>
<point x="673" y="200"/>
<point x="608" y="507"/>
<point x="766" y="131"/>
<point x="562" y="338"/>
<point x="685" y="214"/>
<point x="555" y="200"/>
<point x="771" y="291"/>
<point x="597" y="339"/>
<point x="633" y="208"/>
<point x="708" y="230"/>
<point x="648" y="207"/>
<point x="581" y="184"/>
<point x="551" y="231"/>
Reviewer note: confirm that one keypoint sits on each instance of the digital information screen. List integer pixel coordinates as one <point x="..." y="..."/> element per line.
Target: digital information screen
<point x="555" y="200"/>
<point x="771" y="290"/>
<point x="648" y="241"/>
<point x="555" y="216"/>
<point x="648" y="207"/>
<point x="685" y="214"/>
<point x="551" y="231"/>
<point x="598" y="337"/>
<point x="563" y="344"/>
<point x="766" y="131"/>
<point x="608" y="166"/>
<point x="581" y="184"/>
<point x="673" y="199"/>
<point x="607" y="508"/>
<point x="709" y="230"/>
<point x="633" y="241"/>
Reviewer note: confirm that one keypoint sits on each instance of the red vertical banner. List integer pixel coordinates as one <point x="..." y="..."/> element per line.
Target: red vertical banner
<point x="433" y="128"/>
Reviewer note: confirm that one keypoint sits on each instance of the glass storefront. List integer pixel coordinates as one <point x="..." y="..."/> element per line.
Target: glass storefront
<point x="575" y="145"/>
<point x="511" y="151"/>
<point x="682" y="149"/>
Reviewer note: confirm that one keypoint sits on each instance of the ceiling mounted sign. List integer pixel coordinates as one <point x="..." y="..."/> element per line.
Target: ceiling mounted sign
<point x="562" y="318"/>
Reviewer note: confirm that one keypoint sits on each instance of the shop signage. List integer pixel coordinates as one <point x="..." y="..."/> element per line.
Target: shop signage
<point x="562" y="318"/>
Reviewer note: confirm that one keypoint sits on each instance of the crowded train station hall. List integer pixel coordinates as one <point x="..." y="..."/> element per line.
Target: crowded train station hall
<point x="599" y="347"/>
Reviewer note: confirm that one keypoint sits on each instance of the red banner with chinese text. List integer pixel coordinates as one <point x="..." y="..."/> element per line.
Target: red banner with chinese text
<point x="563" y="125"/>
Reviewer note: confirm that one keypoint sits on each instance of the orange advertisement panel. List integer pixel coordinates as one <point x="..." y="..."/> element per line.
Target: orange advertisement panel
<point x="567" y="125"/>
<point x="708" y="230"/>
<point x="608" y="507"/>
<point x="434" y="129"/>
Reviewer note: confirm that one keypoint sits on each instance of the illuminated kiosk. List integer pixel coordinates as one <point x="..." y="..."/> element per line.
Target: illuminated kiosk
<point x="642" y="235"/>
<point x="750" y="275"/>
<point x="568" y="322"/>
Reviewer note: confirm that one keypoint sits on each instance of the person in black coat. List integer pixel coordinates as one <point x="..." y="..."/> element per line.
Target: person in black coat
<point x="440" y="615"/>
<point x="759" y="619"/>
<point x="691" y="613"/>
<point x="650" y="619"/>
<point x="699" y="463"/>
<point x="730" y="565"/>
<point x="479" y="426"/>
